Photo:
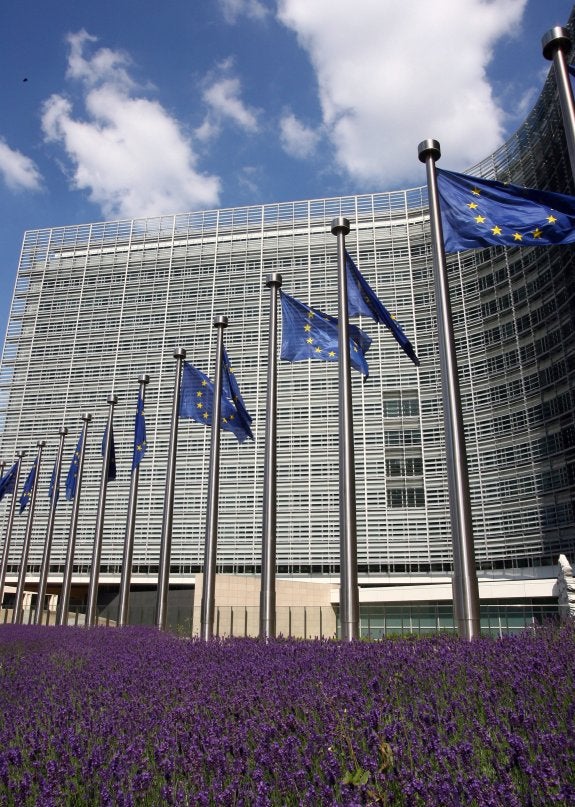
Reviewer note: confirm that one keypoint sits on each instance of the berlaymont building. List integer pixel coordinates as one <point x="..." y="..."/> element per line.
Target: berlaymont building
<point x="97" y="305"/>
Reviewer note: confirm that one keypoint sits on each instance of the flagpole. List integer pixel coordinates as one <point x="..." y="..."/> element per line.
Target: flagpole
<point x="556" y="45"/>
<point x="466" y="588"/>
<point x="210" y="550"/>
<point x="64" y="600"/>
<point x="166" y="541"/>
<point x="124" y="604"/>
<point x="268" y="572"/>
<point x="348" y="589"/>
<point x="42" y="582"/>
<point x="8" y="536"/>
<point x="2" y="466"/>
<point x="17" y="612"/>
<point x="99" y="533"/>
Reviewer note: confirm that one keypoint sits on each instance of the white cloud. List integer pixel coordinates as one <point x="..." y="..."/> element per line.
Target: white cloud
<point x="392" y="73"/>
<point x="128" y="153"/>
<point x="297" y="139"/>
<point x="223" y="98"/>
<point x="233" y="9"/>
<point x="18" y="171"/>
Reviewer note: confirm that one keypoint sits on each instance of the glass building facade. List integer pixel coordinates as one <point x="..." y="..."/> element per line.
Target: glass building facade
<point x="96" y="305"/>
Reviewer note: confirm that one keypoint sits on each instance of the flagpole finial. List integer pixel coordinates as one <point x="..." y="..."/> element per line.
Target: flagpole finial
<point x="220" y="321"/>
<point x="86" y="417"/>
<point x="144" y="379"/>
<point x="62" y="431"/>
<point x="429" y="148"/>
<point x="273" y="279"/>
<point x="20" y="454"/>
<point x="340" y="225"/>
<point x="40" y="443"/>
<point x="556" y="39"/>
<point x="179" y="353"/>
<point x="112" y="398"/>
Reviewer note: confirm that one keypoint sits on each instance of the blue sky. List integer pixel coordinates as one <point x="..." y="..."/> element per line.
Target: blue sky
<point x="127" y="108"/>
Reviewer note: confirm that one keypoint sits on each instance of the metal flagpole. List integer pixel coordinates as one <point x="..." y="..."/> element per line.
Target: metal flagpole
<point x="17" y="612"/>
<point x="348" y="588"/>
<point x="556" y="46"/>
<point x="268" y="573"/>
<point x="210" y="550"/>
<point x="466" y="589"/>
<point x="99" y="533"/>
<point x="42" y="583"/>
<point x="124" y="604"/>
<point x="64" y="600"/>
<point x="166" y="542"/>
<point x="2" y="466"/>
<point x="8" y="536"/>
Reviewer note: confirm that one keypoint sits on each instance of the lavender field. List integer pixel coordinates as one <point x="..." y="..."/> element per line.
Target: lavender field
<point x="133" y="716"/>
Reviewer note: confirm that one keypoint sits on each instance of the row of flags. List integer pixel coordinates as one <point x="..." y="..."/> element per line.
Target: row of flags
<point x="475" y="213"/>
<point x="307" y="333"/>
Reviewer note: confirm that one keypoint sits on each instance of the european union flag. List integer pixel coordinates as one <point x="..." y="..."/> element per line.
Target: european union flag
<point x="112" y="462"/>
<point x="140" y="443"/>
<point x="28" y="487"/>
<point x="362" y="301"/>
<point x="240" y="423"/>
<point x="309" y="334"/>
<point x="8" y="481"/>
<point x="52" y="483"/>
<point x="482" y="213"/>
<point x="72" y="478"/>
<point x="197" y="397"/>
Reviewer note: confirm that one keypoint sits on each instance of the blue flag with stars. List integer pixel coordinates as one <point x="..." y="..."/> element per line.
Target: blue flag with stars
<point x="197" y="397"/>
<point x="240" y="423"/>
<point x="72" y="478"/>
<point x="482" y="213"/>
<point x="309" y="334"/>
<point x="140" y="442"/>
<point x="28" y="487"/>
<point x="362" y="301"/>
<point x="8" y="481"/>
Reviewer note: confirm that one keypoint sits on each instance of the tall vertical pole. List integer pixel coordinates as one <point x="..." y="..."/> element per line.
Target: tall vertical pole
<point x="466" y="588"/>
<point x="210" y="550"/>
<point x="268" y="573"/>
<point x="124" y="604"/>
<point x="2" y="466"/>
<point x="8" y="536"/>
<point x="43" y="581"/>
<point x="64" y="600"/>
<point x="17" y="612"/>
<point x="99" y="533"/>
<point x="348" y="589"/>
<point x="556" y="45"/>
<point x="166" y="541"/>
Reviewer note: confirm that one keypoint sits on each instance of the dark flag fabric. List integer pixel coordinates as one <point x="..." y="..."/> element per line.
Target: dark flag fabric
<point x="72" y="478"/>
<point x="241" y="421"/>
<point x="112" y="470"/>
<point x="8" y="481"/>
<point x="483" y="213"/>
<point x="197" y="397"/>
<point x="28" y="487"/>
<point x="309" y="334"/>
<point x="140" y="442"/>
<point x="362" y="301"/>
<point x="52" y="483"/>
